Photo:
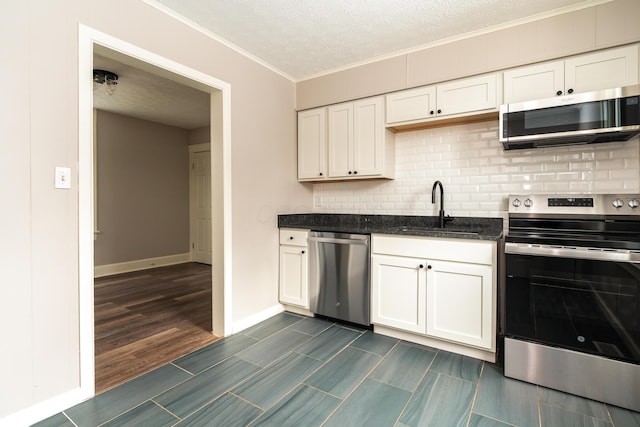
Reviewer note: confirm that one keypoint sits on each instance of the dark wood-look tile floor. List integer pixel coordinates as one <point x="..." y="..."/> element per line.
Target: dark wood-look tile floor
<point x="290" y="370"/>
<point x="145" y="319"/>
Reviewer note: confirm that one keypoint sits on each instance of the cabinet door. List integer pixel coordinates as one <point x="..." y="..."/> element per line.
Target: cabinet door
<point x="368" y="134"/>
<point x="340" y="140"/>
<point x="413" y="104"/>
<point x="460" y="298"/>
<point x="312" y="146"/>
<point x="602" y="70"/>
<point x="534" y="82"/>
<point x="398" y="287"/>
<point x="294" y="288"/>
<point x="466" y="95"/>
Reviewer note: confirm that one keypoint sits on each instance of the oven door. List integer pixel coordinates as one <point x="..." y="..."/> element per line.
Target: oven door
<point x="578" y="299"/>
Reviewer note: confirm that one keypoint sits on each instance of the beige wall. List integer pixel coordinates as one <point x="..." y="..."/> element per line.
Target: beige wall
<point x="39" y="247"/>
<point x="142" y="189"/>
<point x="592" y="28"/>
<point x="200" y="135"/>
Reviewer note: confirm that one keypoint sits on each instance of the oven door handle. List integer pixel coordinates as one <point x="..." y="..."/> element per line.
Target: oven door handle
<point x="597" y="254"/>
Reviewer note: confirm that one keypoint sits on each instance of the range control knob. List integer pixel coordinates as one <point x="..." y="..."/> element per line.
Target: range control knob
<point x="528" y="203"/>
<point x="634" y="203"/>
<point x="618" y="203"/>
<point x="516" y="203"/>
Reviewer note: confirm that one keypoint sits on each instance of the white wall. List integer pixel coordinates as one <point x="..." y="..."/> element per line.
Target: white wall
<point x="39" y="248"/>
<point x="478" y="175"/>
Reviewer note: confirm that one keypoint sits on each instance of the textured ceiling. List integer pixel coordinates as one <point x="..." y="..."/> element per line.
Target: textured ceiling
<point x="145" y="95"/>
<point x="299" y="39"/>
<point x="303" y="38"/>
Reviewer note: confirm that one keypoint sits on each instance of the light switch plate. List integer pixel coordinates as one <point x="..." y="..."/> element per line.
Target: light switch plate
<point x="63" y="177"/>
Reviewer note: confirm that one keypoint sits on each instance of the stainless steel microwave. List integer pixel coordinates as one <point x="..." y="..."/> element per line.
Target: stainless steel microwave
<point x="585" y="118"/>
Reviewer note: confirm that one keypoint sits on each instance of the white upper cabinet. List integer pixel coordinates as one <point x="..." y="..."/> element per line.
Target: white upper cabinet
<point x="340" y="135"/>
<point x="602" y="70"/>
<point x="584" y="73"/>
<point x="368" y="137"/>
<point x="412" y="104"/>
<point x="458" y="97"/>
<point x="312" y="144"/>
<point x="467" y="95"/>
<point x="356" y="139"/>
<point x="534" y="82"/>
<point x="345" y="141"/>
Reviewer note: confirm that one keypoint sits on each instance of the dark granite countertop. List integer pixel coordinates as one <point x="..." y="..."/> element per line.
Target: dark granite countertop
<point x="407" y="225"/>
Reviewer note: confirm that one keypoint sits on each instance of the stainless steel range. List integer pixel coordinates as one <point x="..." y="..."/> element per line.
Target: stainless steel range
<point x="572" y="294"/>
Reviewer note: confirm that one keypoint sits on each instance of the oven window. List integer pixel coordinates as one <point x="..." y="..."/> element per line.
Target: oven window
<point x="583" y="305"/>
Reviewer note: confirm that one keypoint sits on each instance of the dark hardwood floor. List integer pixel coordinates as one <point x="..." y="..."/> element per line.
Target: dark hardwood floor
<point x="148" y="318"/>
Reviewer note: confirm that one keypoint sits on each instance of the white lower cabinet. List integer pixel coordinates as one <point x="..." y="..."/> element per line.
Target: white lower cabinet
<point x="294" y="282"/>
<point x="459" y="302"/>
<point x="402" y="304"/>
<point x="442" y="289"/>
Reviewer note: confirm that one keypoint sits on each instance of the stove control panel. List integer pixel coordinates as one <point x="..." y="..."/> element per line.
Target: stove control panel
<point x="596" y="204"/>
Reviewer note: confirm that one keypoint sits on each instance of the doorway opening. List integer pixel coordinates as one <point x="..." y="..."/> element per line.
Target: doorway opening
<point x="92" y="41"/>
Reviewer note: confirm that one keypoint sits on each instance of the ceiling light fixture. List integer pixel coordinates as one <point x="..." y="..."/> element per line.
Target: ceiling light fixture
<point x="105" y="77"/>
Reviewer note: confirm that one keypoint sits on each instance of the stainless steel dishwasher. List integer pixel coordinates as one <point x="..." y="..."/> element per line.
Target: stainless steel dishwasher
<point x="339" y="282"/>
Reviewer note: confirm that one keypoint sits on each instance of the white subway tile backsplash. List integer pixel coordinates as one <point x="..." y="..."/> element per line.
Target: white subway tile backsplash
<point x="478" y="175"/>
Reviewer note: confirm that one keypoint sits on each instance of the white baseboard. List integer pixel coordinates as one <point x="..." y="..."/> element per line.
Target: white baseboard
<point x="44" y="410"/>
<point x="141" y="264"/>
<point x="243" y="324"/>
<point x="298" y="310"/>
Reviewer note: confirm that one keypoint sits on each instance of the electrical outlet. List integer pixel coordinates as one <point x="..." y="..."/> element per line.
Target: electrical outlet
<point x="62" y="177"/>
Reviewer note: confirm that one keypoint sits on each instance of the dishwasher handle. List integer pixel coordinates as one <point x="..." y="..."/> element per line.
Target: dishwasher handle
<point x="339" y="241"/>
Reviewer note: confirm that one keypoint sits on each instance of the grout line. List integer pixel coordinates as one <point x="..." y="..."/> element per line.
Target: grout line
<point x="538" y="395"/>
<point x="167" y="411"/>
<point x="183" y="369"/>
<point x="359" y="384"/>
<point x="606" y="408"/>
<point x="424" y="374"/>
<point x="246" y="401"/>
<point x="69" y="418"/>
<point x="475" y="395"/>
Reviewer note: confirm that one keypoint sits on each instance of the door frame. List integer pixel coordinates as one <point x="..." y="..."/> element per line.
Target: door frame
<point x="220" y="137"/>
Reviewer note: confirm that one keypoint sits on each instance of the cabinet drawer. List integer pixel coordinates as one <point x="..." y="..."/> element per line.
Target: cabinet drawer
<point x="293" y="237"/>
<point x="432" y="248"/>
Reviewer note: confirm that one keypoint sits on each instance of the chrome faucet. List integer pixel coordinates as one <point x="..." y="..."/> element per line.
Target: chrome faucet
<point x="441" y="217"/>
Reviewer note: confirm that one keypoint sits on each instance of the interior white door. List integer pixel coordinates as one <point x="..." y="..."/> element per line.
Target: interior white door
<point x="200" y="201"/>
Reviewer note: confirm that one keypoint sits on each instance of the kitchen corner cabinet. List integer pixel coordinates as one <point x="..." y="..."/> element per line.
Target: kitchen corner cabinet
<point x="294" y="283"/>
<point x="458" y="97"/>
<point x="440" y="288"/>
<point x="604" y="69"/>
<point x="357" y="144"/>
